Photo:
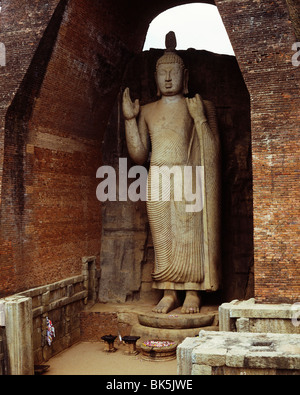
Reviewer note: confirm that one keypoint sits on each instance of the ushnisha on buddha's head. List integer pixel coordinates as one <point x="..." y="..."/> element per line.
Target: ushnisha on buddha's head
<point x="171" y="75"/>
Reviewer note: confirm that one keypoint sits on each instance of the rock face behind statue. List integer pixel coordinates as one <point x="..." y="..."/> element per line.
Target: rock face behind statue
<point x="185" y="226"/>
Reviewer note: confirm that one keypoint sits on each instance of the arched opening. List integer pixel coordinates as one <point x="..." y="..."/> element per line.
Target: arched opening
<point x="196" y="25"/>
<point x="217" y="78"/>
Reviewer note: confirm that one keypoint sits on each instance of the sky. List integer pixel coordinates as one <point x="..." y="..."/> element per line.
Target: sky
<point x="196" y="26"/>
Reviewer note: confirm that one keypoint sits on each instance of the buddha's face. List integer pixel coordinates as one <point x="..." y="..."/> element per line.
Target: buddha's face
<point x="169" y="78"/>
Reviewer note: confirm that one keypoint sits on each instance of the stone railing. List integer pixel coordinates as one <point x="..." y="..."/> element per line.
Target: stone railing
<point x="61" y="302"/>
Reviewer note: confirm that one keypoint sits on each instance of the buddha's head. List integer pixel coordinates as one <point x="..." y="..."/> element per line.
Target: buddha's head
<point x="171" y="75"/>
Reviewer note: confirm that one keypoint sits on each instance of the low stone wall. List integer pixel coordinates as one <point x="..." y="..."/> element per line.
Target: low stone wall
<point x="248" y="316"/>
<point x="26" y="316"/>
<point x="61" y="302"/>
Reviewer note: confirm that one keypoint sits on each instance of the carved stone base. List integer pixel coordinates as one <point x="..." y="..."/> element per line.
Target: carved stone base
<point x="174" y="326"/>
<point x="176" y="321"/>
<point x="159" y="351"/>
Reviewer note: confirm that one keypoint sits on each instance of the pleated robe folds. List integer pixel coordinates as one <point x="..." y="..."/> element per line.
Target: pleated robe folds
<point x="187" y="244"/>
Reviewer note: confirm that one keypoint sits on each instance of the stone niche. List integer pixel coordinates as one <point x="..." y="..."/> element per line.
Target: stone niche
<point x="127" y="255"/>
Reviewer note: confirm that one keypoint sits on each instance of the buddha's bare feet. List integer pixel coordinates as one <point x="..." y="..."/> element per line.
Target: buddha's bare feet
<point x="191" y="303"/>
<point x="167" y="303"/>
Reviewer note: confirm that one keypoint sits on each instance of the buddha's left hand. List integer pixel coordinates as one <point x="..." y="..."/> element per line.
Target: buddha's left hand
<point x="196" y="108"/>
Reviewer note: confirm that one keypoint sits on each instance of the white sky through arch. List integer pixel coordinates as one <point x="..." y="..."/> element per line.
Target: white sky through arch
<point x="196" y="26"/>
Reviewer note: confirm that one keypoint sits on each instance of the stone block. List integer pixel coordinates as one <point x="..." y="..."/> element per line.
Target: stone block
<point x="272" y="325"/>
<point x="212" y="356"/>
<point x="248" y="316"/>
<point x="225" y="321"/>
<point x="184" y="355"/>
<point x="243" y="324"/>
<point x="235" y="357"/>
<point x="45" y="298"/>
<point x="201" y="370"/>
<point x="250" y="309"/>
<point x="246" y="353"/>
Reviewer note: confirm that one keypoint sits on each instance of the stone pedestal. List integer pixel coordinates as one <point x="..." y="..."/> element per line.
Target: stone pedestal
<point x="159" y="350"/>
<point x="130" y="342"/>
<point x="175" y="326"/>
<point x="109" y="343"/>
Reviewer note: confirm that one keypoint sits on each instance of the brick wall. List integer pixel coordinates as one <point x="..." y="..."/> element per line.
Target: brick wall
<point x="262" y="36"/>
<point x="94" y="325"/>
<point x="50" y="217"/>
<point x="50" y="214"/>
<point x="21" y="29"/>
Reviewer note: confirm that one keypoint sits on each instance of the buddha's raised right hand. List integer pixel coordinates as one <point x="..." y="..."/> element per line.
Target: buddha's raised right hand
<point x="130" y="109"/>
